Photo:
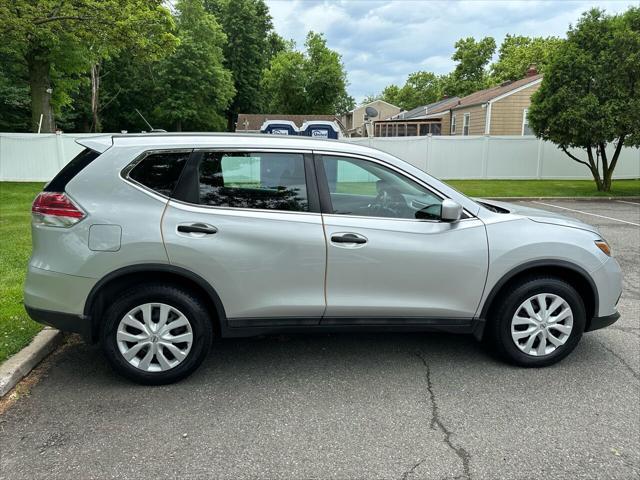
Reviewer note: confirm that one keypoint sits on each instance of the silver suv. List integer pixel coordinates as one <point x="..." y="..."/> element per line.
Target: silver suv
<point x="155" y="244"/>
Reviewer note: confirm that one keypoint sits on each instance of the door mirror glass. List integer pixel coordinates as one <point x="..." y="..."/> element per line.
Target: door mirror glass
<point x="451" y="211"/>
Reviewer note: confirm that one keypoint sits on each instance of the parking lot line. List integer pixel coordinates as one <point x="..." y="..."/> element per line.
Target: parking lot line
<point x="630" y="203"/>
<point x="588" y="213"/>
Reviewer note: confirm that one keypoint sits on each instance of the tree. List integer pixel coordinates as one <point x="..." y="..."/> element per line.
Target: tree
<point x="15" y="115"/>
<point x="421" y="88"/>
<point x="472" y="58"/>
<point x="517" y="53"/>
<point x="58" y="40"/>
<point x="313" y="81"/>
<point x="590" y="95"/>
<point x="325" y="76"/>
<point x="250" y="45"/>
<point x="284" y="83"/>
<point x="196" y="85"/>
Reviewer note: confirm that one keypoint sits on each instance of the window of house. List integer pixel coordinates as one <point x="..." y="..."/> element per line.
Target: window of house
<point x="436" y="129"/>
<point x="412" y="130"/>
<point x="453" y="124"/>
<point x="526" y="130"/>
<point x="424" y="129"/>
<point x="465" y="124"/>
<point x="402" y="130"/>
<point x="268" y="181"/>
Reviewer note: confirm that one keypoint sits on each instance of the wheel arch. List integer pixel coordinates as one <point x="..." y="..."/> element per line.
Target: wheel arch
<point x="575" y="275"/>
<point x="118" y="280"/>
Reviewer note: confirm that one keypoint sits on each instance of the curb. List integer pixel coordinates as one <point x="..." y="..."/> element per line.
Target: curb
<point x="528" y="199"/>
<point x="19" y="365"/>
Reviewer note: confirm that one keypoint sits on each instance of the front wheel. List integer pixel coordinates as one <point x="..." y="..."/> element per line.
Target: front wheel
<point x="538" y="322"/>
<point x="156" y="334"/>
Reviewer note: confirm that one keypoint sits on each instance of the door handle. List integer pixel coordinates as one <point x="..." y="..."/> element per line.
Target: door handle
<point x="198" y="228"/>
<point x="348" y="238"/>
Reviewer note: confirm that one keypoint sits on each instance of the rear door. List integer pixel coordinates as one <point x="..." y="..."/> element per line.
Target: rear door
<point x="390" y="257"/>
<point x="248" y="222"/>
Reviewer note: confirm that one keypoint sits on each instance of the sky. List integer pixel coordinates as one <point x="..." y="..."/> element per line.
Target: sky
<point x="383" y="41"/>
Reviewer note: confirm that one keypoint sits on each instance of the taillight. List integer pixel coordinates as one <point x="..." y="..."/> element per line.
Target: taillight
<point x="55" y="210"/>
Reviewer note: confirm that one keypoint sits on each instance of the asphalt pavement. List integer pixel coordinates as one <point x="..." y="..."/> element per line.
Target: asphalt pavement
<point x="351" y="406"/>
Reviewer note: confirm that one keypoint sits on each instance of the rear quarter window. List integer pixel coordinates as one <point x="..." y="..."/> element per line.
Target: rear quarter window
<point x="160" y="171"/>
<point x="70" y="170"/>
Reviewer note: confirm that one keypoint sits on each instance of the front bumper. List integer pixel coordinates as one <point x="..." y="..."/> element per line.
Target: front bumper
<point x="597" y="323"/>
<point x="66" y="322"/>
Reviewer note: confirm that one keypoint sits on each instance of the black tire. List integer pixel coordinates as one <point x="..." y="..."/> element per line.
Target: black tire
<point x="188" y="304"/>
<point x="498" y="333"/>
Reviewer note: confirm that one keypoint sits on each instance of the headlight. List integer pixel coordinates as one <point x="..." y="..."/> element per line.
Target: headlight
<point x="604" y="246"/>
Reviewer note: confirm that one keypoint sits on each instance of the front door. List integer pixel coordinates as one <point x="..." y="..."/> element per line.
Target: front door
<point x="248" y="223"/>
<point x="389" y="255"/>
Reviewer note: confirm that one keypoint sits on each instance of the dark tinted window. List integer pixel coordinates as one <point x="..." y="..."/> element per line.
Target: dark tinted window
<point x="70" y="170"/>
<point x="270" y="181"/>
<point x="160" y="171"/>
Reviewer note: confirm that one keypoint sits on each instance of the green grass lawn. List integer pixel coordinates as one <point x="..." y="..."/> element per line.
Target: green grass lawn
<point x="543" y="188"/>
<point x="518" y="188"/>
<point x="16" y="328"/>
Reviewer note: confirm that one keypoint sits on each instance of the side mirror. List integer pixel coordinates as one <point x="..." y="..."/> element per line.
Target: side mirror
<point x="451" y="211"/>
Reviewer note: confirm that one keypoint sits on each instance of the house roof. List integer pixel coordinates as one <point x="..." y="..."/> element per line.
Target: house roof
<point x="488" y="94"/>
<point x="427" y="110"/>
<point x="253" y="121"/>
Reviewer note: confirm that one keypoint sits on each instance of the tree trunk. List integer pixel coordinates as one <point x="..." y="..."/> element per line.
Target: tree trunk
<point x="40" y="87"/>
<point x="178" y="125"/>
<point x="608" y="168"/>
<point x="95" y="97"/>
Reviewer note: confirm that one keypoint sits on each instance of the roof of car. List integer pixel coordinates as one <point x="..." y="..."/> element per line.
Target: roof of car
<point x="101" y="143"/>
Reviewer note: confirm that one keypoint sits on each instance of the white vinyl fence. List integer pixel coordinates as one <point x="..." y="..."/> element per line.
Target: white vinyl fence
<point x="33" y="157"/>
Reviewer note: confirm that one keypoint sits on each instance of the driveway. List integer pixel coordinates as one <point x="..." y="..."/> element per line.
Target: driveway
<point x="402" y="406"/>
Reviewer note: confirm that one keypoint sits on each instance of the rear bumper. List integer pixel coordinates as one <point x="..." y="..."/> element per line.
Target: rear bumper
<point x="66" y="322"/>
<point x="602" y="322"/>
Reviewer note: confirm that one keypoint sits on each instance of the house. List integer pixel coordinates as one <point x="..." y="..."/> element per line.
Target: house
<point x="251" y="123"/>
<point x="353" y="122"/>
<point x="428" y="119"/>
<point x="500" y="110"/>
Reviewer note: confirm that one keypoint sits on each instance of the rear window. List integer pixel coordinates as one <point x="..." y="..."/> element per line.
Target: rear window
<point x="260" y="180"/>
<point x="160" y="171"/>
<point x="70" y="170"/>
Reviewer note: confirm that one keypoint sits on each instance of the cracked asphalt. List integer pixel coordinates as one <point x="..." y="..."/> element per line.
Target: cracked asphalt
<point x="365" y="406"/>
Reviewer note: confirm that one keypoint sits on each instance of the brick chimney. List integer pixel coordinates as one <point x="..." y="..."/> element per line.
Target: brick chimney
<point x="532" y="70"/>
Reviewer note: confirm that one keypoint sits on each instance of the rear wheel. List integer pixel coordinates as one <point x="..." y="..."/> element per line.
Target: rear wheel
<point x="156" y="334"/>
<point x="537" y="322"/>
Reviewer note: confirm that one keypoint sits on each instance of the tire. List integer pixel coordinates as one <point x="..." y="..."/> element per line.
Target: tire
<point x="157" y="354"/>
<point x="509" y="336"/>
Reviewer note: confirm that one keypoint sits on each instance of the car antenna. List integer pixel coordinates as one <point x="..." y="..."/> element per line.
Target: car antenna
<point x="151" y="129"/>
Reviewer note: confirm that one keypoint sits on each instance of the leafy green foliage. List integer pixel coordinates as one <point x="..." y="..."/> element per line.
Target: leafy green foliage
<point x="472" y="58"/>
<point x="251" y="43"/>
<point x="421" y="88"/>
<point x="311" y="82"/>
<point x="195" y="84"/>
<point x="518" y="53"/>
<point x="59" y="40"/>
<point x="590" y="95"/>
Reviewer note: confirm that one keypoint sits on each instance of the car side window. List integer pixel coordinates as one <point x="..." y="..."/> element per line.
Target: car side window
<point x="160" y="171"/>
<point x="260" y="180"/>
<point x="364" y="188"/>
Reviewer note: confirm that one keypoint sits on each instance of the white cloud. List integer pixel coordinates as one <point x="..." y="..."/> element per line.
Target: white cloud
<point x="381" y="42"/>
